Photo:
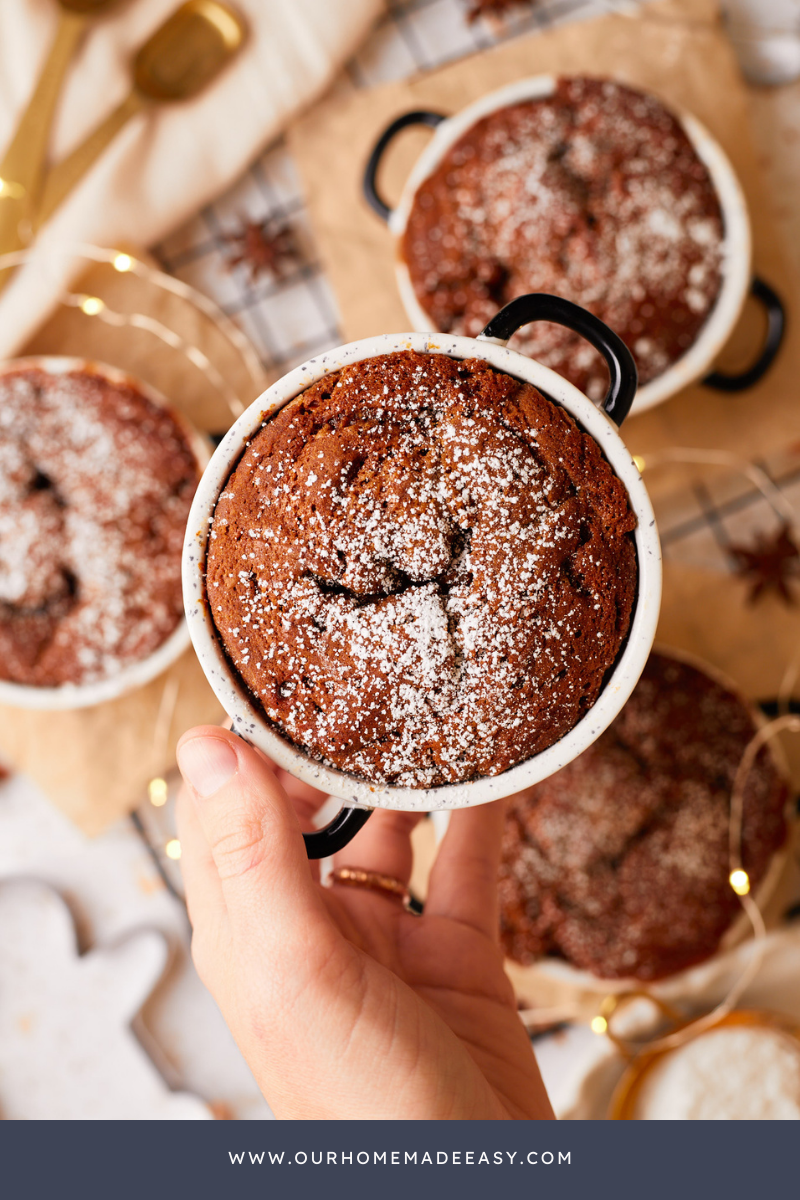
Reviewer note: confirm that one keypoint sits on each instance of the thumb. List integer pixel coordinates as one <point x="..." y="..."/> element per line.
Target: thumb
<point x="254" y="838"/>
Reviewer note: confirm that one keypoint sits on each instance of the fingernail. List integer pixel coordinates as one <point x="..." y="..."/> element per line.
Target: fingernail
<point x="207" y="763"/>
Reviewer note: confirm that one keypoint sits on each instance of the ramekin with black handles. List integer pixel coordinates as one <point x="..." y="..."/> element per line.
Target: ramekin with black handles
<point x="737" y="280"/>
<point x="359" y="795"/>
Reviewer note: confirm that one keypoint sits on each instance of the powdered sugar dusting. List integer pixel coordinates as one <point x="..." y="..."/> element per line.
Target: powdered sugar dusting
<point x="95" y="487"/>
<point x="619" y="862"/>
<point x="594" y="193"/>
<point x="412" y="571"/>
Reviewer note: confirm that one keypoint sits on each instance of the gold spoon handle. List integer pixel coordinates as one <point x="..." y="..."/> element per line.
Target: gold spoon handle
<point x="22" y="165"/>
<point x="62" y="178"/>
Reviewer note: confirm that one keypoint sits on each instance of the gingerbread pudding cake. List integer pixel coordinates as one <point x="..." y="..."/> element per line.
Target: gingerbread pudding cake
<point x="594" y="193"/>
<point x="619" y="863"/>
<point x="96" y="482"/>
<point x="422" y="570"/>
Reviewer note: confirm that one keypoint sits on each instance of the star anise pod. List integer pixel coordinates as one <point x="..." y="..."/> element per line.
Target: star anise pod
<point x="496" y="8"/>
<point x="264" y="251"/>
<point x="769" y="565"/>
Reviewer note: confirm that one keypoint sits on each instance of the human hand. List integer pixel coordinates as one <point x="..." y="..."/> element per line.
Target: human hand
<point x="343" y="1004"/>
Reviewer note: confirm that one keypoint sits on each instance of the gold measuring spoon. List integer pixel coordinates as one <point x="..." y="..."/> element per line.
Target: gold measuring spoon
<point x="22" y="167"/>
<point x="180" y="58"/>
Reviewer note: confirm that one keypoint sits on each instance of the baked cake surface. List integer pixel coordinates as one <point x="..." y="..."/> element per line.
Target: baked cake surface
<point x="619" y="862"/>
<point x="422" y="570"/>
<point x="594" y="193"/>
<point x="96" y="482"/>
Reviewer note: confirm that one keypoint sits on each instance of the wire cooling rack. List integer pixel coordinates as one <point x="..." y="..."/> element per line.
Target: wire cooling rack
<point x="295" y="317"/>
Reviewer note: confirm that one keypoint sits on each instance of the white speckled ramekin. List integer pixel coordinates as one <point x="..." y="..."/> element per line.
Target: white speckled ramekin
<point x="137" y="674"/>
<point x="736" y="266"/>
<point x="253" y="725"/>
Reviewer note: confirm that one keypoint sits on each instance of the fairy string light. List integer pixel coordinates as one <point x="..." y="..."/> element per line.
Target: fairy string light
<point x="158" y="788"/>
<point x="10" y="190"/>
<point x="788" y="684"/>
<point x="721" y="458"/>
<point x="738" y="877"/>
<point x="93" y="306"/>
<point x="125" y="263"/>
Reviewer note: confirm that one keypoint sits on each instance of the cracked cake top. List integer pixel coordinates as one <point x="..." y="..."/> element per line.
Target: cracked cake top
<point x="96" y="482"/>
<point x="594" y="193"/>
<point x="422" y="570"/>
<point x="619" y="862"/>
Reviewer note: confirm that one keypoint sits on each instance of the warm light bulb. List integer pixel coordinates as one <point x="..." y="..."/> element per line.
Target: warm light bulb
<point x="11" y="190"/>
<point x="173" y="848"/>
<point x="599" y="1025"/>
<point x="92" y="305"/>
<point x="739" y="881"/>
<point x="158" y="792"/>
<point x="123" y="262"/>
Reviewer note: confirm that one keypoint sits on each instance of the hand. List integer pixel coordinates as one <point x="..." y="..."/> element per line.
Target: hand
<point x="343" y="1004"/>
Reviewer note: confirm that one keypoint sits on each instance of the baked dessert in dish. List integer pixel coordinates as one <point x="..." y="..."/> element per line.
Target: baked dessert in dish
<point x="96" y="482"/>
<point x="594" y="193"/>
<point x="619" y="863"/>
<point x="422" y="570"/>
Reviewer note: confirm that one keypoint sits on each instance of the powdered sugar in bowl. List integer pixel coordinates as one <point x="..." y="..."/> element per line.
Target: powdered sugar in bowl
<point x="434" y="578"/>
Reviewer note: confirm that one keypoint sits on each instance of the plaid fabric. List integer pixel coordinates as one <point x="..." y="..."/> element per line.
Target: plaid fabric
<point x="293" y="318"/>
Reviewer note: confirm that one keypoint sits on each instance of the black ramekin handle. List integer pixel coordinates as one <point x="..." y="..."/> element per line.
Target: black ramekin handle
<point x="538" y="306"/>
<point x="776" y="328"/>
<point x="418" y="117"/>
<point x="775" y="708"/>
<point x="337" y="833"/>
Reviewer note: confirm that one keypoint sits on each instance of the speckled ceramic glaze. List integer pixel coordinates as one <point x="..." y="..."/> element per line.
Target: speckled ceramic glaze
<point x="253" y="724"/>
<point x="137" y="674"/>
<point x="736" y="265"/>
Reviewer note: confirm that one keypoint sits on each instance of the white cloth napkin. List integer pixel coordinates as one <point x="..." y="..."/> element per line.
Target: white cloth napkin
<point x="171" y="160"/>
